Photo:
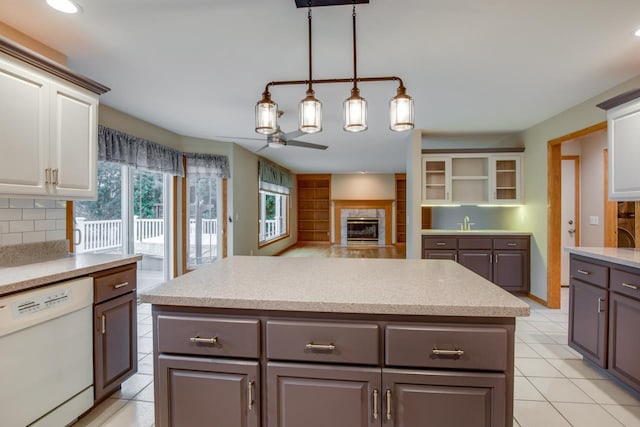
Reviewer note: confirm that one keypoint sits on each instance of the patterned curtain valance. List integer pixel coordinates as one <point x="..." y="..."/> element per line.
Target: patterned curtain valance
<point x="119" y="147"/>
<point x="207" y="165"/>
<point x="273" y="174"/>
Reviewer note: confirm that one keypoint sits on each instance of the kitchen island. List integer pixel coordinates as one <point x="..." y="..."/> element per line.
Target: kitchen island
<point x="268" y="341"/>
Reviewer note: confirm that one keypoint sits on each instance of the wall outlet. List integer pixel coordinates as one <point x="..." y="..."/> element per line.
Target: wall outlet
<point x="594" y="220"/>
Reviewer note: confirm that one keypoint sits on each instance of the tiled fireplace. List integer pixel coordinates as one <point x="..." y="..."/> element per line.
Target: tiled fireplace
<point x="370" y="222"/>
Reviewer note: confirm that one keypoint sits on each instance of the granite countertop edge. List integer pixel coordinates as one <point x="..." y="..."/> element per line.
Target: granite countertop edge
<point x="475" y="232"/>
<point x="624" y="256"/>
<point x="64" y="273"/>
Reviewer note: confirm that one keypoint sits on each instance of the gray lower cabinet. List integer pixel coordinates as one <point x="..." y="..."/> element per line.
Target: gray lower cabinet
<point x="313" y="395"/>
<point x="588" y="321"/>
<point x="624" y="345"/>
<point x="198" y="391"/>
<point x="501" y="259"/>
<point x="441" y="399"/>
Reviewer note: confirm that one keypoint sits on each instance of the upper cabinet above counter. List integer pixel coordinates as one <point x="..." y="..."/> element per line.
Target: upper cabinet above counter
<point x="472" y="177"/>
<point x="48" y="127"/>
<point x="623" y="117"/>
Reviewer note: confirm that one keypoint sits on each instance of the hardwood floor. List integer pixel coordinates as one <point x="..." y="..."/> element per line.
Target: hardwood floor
<point x="327" y="250"/>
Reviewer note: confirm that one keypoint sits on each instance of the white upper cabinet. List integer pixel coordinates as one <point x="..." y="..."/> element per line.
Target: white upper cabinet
<point x="48" y="128"/>
<point x="623" y="116"/>
<point x="471" y="178"/>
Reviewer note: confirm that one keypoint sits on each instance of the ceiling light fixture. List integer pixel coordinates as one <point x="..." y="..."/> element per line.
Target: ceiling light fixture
<point x="637" y="33"/>
<point x="401" y="106"/>
<point x="64" y="6"/>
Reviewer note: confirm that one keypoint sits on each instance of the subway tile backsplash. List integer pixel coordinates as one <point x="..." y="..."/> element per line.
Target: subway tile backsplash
<point x="30" y="221"/>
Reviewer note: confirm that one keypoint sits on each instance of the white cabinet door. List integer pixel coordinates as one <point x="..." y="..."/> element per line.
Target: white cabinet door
<point x="436" y="180"/>
<point x="73" y="143"/>
<point x="624" y="151"/>
<point x="506" y="179"/>
<point x="24" y="126"/>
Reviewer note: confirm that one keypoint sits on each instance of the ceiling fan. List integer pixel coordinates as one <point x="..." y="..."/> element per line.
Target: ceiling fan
<point x="280" y="139"/>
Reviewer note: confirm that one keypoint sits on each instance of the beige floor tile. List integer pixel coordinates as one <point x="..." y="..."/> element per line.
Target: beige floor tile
<point x="144" y="309"/>
<point x="145" y="320"/>
<point x="537" y="316"/>
<point x="554" y="351"/>
<point x="606" y="392"/>
<point x="101" y="413"/>
<point x="517" y="373"/>
<point x="133" y="386"/>
<point x="586" y="415"/>
<point x="535" y="337"/>
<point x="573" y="368"/>
<point x="627" y="415"/>
<point x="524" y="390"/>
<point x="515" y="423"/>
<point x="560" y="390"/>
<point x="524" y="350"/>
<point x="556" y="316"/>
<point x="550" y="327"/>
<point x="145" y="345"/>
<point x="145" y="365"/>
<point x="525" y="327"/>
<point x="537" y="414"/>
<point x="146" y="394"/>
<point x="559" y="337"/>
<point x="134" y="414"/>
<point x="537" y="368"/>
<point x="144" y="329"/>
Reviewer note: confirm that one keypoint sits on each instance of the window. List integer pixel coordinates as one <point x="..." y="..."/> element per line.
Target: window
<point x="203" y="227"/>
<point x="274" y="215"/>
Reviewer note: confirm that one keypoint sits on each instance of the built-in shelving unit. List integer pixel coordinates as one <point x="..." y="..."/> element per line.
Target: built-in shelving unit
<point x="314" y="207"/>
<point x="401" y="208"/>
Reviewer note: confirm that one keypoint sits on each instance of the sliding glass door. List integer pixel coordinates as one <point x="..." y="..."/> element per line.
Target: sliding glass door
<point x="129" y="216"/>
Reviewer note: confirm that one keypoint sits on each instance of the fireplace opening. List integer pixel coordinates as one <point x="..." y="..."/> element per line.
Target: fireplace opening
<point x="362" y="230"/>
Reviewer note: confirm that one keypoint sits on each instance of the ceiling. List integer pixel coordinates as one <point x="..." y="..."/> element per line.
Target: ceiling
<point x="197" y="67"/>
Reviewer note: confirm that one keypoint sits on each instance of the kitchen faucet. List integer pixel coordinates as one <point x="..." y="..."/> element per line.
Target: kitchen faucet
<point x="466" y="225"/>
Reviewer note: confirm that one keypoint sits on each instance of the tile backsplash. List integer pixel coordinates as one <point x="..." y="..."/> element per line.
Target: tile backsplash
<point x="32" y="220"/>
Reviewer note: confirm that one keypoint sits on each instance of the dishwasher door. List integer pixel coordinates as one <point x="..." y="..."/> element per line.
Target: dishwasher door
<point x="46" y="354"/>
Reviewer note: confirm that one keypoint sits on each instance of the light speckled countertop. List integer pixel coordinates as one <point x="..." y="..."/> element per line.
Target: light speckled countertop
<point x="623" y="256"/>
<point x="20" y="278"/>
<point x="476" y="232"/>
<point x="339" y="285"/>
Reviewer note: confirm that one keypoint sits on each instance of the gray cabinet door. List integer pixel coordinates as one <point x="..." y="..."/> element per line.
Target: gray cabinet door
<point x="443" y="399"/>
<point x="448" y="254"/>
<point x="313" y="395"/>
<point x="198" y="391"/>
<point x="588" y="321"/>
<point x="478" y="261"/>
<point x="624" y="346"/>
<point x="511" y="270"/>
<point x="115" y="343"/>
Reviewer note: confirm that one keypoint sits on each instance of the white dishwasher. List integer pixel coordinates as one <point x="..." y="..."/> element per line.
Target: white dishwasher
<point x="46" y="355"/>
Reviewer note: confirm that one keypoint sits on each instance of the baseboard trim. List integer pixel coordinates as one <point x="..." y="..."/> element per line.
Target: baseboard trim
<point x="537" y="299"/>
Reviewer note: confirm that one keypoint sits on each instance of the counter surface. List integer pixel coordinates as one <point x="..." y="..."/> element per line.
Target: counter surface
<point x="339" y="285"/>
<point x="623" y="256"/>
<point x="475" y="232"/>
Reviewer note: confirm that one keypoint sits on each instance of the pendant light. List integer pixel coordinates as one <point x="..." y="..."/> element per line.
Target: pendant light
<point x="355" y="107"/>
<point x="310" y="109"/>
<point x="401" y="115"/>
<point x="266" y="115"/>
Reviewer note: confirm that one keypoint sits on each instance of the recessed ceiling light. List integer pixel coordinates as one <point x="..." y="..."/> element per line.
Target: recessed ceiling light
<point x="65" y="6"/>
<point x="637" y="33"/>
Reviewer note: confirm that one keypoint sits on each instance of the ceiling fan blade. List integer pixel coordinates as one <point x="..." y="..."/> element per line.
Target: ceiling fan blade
<point x="306" y="145"/>
<point x="262" y="148"/>
<point x="293" y="134"/>
<point x="239" y="137"/>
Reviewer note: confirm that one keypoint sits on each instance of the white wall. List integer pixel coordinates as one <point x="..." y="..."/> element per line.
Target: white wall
<point x="31" y="221"/>
<point x="592" y="189"/>
<point x="535" y="139"/>
<point x="369" y="186"/>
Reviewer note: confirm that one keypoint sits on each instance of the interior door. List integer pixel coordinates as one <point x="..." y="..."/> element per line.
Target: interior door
<point x="569" y="225"/>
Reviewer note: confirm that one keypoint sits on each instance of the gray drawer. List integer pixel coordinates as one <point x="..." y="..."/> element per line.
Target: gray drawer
<point x="436" y="347"/>
<point x="515" y="243"/>
<point x="440" y="243"/>
<point x="588" y="272"/>
<point x="331" y="342"/>
<point x="210" y="336"/>
<point x="625" y="283"/>
<point x="114" y="282"/>
<point x="474" y="243"/>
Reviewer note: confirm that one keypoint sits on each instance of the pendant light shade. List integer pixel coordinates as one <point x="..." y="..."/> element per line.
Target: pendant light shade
<point x="266" y="115"/>
<point x="355" y="112"/>
<point x="310" y="114"/>
<point x="401" y="113"/>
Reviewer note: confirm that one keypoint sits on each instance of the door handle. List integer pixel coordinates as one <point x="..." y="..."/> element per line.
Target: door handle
<point x="388" y="403"/>
<point x="55" y="176"/>
<point x="250" y="395"/>
<point x="47" y="176"/>
<point x="103" y="324"/>
<point x="375" y="404"/>
<point x="600" y="310"/>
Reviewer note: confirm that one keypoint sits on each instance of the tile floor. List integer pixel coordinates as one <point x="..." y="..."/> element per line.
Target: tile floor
<point x="553" y="386"/>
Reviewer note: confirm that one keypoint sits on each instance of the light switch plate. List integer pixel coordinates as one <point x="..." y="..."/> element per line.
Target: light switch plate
<point x="594" y="220"/>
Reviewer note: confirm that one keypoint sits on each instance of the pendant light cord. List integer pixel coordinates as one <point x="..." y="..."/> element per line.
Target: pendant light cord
<point x="355" y="62"/>
<point x="310" y="56"/>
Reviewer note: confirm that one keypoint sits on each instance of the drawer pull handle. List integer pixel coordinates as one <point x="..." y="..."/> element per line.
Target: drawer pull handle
<point x="250" y="397"/>
<point x="585" y="272"/>
<point x="627" y="285"/>
<point x="55" y="176"/>
<point x="441" y="244"/>
<point x="512" y="244"/>
<point x="388" y="402"/>
<point x="457" y="352"/>
<point x="121" y="285"/>
<point x="324" y="347"/>
<point x="199" y="340"/>
<point x="375" y="404"/>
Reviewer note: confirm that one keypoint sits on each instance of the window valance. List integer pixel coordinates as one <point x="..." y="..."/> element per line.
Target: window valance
<point x="207" y="165"/>
<point x="119" y="147"/>
<point x="274" y="178"/>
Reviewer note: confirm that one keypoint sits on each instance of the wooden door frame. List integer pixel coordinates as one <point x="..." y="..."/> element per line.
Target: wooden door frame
<point x="554" y="218"/>
<point x="610" y="209"/>
<point x="576" y="160"/>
